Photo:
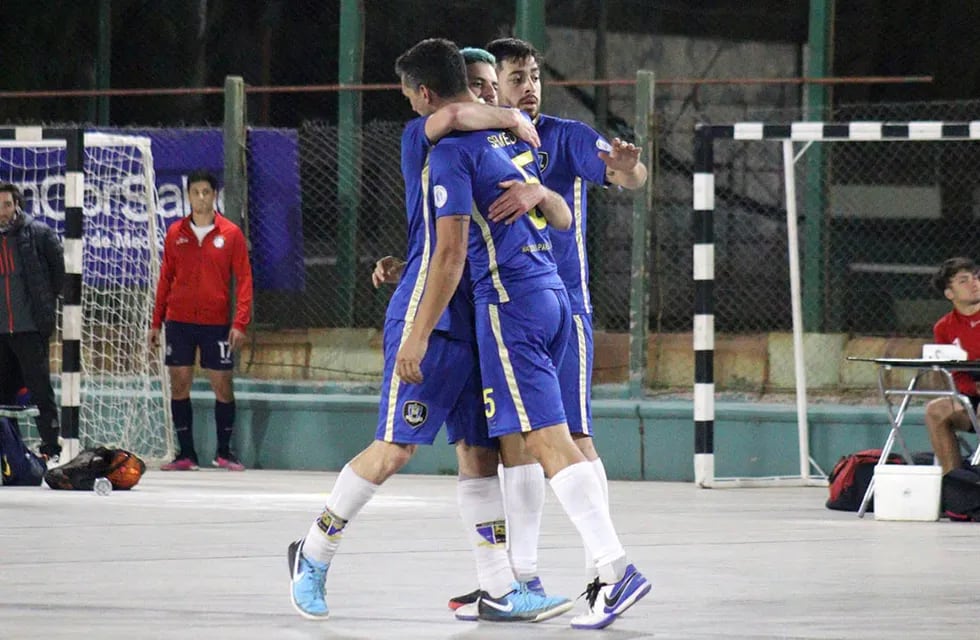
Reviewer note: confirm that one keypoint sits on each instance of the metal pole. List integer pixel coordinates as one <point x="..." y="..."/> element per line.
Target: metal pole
<point x="235" y="179"/>
<point x="349" y="154"/>
<point x="103" y="62"/>
<point x="640" y="252"/>
<point x="529" y="23"/>
<point x="818" y="65"/>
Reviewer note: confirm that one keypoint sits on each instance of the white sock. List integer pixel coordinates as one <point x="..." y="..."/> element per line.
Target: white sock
<point x="350" y="493"/>
<point x="580" y="494"/>
<point x="482" y="511"/>
<point x="523" y="504"/>
<point x="591" y="572"/>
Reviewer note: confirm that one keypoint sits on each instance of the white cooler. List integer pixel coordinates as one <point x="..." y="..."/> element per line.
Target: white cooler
<point x="907" y="492"/>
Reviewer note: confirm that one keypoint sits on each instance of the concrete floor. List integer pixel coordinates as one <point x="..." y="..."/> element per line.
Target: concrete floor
<point x="202" y="555"/>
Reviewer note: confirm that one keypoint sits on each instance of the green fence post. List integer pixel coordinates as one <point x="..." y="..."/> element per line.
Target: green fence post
<point x="640" y="254"/>
<point x="814" y="199"/>
<point x="235" y="179"/>
<point x="349" y="155"/>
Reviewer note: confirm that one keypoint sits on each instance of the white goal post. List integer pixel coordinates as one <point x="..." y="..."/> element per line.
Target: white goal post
<point x="788" y="135"/>
<point x="97" y="190"/>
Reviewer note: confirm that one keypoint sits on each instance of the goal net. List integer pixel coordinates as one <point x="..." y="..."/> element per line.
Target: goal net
<point x="124" y="396"/>
<point x="820" y="232"/>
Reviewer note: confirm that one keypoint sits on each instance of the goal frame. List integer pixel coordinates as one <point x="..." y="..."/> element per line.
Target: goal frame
<point x="71" y="307"/>
<point x="787" y="134"/>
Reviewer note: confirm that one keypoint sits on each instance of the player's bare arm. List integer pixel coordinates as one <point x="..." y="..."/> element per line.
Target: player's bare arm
<point x="473" y="116"/>
<point x="623" y="166"/>
<point x="520" y="197"/>
<point x="445" y="272"/>
<point x="387" y="270"/>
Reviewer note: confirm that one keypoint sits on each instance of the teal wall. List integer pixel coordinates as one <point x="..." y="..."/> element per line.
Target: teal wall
<point x="288" y="427"/>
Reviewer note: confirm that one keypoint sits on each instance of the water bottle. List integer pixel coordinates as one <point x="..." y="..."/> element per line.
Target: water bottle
<point x="102" y="486"/>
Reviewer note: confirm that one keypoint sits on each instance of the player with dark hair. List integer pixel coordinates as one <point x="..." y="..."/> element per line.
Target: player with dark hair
<point x="433" y="79"/>
<point x="201" y="254"/>
<point x="523" y="320"/>
<point x="32" y="270"/>
<point x="958" y="279"/>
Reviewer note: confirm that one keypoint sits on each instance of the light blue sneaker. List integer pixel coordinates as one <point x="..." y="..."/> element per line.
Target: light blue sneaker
<point x="606" y="602"/>
<point x="306" y="587"/>
<point x="521" y="604"/>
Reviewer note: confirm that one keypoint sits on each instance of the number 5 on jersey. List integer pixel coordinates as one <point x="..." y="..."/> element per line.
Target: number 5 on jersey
<point x="521" y="161"/>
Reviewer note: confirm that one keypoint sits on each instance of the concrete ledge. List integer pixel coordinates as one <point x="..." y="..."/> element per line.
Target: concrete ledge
<point x="645" y="440"/>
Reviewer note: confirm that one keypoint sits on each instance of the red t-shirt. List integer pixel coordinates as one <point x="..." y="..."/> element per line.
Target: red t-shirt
<point x="964" y="332"/>
<point x="195" y="278"/>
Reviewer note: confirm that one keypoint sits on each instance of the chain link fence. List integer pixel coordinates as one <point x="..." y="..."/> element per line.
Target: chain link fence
<point x="887" y="213"/>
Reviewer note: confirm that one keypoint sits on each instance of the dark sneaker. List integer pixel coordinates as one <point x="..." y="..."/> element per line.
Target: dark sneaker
<point x="465" y="599"/>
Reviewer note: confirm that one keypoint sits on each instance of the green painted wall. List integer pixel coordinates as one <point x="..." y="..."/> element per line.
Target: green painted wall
<point x="287" y="427"/>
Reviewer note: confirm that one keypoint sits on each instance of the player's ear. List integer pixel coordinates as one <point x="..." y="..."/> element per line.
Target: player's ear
<point x="425" y="93"/>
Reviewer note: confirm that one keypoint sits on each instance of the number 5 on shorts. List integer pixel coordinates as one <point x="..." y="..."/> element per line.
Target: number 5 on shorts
<point x="489" y="406"/>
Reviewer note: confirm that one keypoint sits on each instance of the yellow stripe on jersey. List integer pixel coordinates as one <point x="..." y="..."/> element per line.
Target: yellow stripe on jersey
<point x="580" y="242"/>
<point x="413" y="301"/>
<point x="515" y="392"/>
<point x="582" y="373"/>
<point x="491" y="254"/>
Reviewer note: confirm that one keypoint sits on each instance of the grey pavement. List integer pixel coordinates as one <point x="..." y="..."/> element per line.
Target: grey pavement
<point x="203" y="555"/>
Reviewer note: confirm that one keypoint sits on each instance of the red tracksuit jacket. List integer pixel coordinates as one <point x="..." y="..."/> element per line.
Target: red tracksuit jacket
<point x="195" y="279"/>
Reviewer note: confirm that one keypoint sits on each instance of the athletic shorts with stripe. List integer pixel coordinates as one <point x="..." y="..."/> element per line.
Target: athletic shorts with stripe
<point x="575" y="375"/>
<point x="450" y="394"/>
<point x="521" y="345"/>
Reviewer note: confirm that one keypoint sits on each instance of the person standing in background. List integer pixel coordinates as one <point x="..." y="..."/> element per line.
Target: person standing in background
<point x="201" y="254"/>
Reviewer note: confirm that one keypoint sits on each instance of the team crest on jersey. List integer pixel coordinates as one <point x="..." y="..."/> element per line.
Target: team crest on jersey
<point x="602" y="145"/>
<point x="542" y="160"/>
<point x="415" y="413"/>
<point x="219" y="242"/>
<point x="440" y="195"/>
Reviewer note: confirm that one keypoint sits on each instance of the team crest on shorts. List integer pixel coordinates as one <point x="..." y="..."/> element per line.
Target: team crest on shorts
<point x="415" y="413"/>
<point x="219" y="241"/>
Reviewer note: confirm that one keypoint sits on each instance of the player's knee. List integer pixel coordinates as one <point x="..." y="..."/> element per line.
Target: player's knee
<point x="938" y="413"/>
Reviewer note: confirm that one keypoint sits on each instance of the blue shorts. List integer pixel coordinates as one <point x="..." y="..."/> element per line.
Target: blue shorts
<point x="521" y="345"/>
<point x="185" y="338"/>
<point x="449" y="394"/>
<point x="575" y="375"/>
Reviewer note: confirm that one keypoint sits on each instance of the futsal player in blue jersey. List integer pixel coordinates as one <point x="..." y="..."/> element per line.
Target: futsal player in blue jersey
<point x="412" y="414"/>
<point x="572" y="155"/>
<point x="523" y="322"/>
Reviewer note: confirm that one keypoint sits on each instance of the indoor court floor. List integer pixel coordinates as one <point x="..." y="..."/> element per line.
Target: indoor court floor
<point x="203" y="555"/>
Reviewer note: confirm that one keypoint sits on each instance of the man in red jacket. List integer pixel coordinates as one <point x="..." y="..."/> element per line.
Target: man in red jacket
<point x="200" y="255"/>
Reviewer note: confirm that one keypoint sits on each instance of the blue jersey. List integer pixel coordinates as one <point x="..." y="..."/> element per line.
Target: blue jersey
<point x="457" y="320"/>
<point x="568" y="158"/>
<point x="505" y="261"/>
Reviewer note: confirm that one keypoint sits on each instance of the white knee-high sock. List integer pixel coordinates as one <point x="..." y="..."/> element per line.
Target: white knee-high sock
<point x="524" y="488"/>
<point x="481" y="509"/>
<point x="350" y="493"/>
<point x="580" y="494"/>
<point x="591" y="572"/>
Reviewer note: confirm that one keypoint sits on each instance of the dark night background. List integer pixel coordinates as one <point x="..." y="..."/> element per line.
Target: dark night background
<point x="278" y="42"/>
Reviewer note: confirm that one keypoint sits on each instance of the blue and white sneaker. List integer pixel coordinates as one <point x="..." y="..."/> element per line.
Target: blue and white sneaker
<point x="521" y="604"/>
<point x="309" y="578"/>
<point x="606" y="602"/>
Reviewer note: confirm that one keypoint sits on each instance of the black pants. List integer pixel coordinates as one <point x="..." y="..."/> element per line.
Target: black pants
<point x="24" y="361"/>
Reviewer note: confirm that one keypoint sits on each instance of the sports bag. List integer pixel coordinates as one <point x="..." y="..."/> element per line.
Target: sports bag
<point x="961" y="494"/>
<point x="851" y="476"/>
<point x="122" y="468"/>
<point x="20" y="466"/>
